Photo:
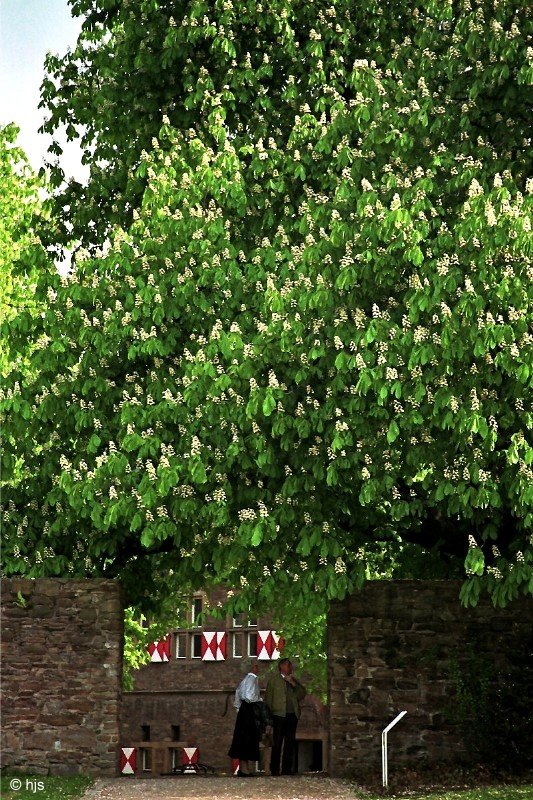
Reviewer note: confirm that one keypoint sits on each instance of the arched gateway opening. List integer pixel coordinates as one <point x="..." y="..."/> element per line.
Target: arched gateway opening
<point x="189" y="686"/>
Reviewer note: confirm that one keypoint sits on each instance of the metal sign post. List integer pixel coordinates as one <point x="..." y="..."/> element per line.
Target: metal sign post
<point x="384" y="762"/>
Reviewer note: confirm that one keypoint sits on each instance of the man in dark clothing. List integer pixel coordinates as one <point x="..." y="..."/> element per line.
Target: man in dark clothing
<point x="283" y="695"/>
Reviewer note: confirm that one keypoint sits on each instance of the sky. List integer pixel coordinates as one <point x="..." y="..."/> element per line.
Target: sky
<point x="28" y="30"/>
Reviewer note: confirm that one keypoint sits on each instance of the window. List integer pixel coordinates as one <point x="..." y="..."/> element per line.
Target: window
<point x="145" y="733"/>
<point x="175" y="733"/>
<point x="176" y="759"/>
<point x="243" y="619"/>
<point x="196" y="610"/>
<point x="237" y="645"/>
<point x="181" y="645"/>
<point x="146" y="760"/>
<point x="197" y="645"/>
<point x="252" y="645"/>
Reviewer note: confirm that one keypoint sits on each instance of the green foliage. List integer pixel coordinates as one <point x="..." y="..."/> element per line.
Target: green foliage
<point x="503" y="792"/>
<point x="491" y="707"/>
<point x="48" y="788"/>
<point x="22" y="210"/>
<point x="140" y="632"/>
<point x="304" y="629"/>
<point x="472" y="679"/>
<point x="309" y="334"/>
<point x="258" y="65"/>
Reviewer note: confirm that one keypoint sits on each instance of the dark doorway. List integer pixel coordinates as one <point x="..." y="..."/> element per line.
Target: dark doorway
<point x="309" y="755"/>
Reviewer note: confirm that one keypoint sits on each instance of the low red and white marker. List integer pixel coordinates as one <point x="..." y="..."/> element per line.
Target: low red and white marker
<point x="189" y="759"/>
<point x="128" y="760"/>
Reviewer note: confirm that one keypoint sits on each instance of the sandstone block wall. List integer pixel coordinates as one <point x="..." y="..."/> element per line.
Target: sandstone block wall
<point x="62" y="644"/>
<point x="389" y="650"/>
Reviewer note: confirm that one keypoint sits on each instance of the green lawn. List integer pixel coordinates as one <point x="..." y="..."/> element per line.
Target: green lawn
<point x="37" y="787"/>
<point x="524" y="792"/>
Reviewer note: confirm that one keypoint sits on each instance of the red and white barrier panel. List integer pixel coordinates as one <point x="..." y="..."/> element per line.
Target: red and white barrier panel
<point x="128" y="760"/>
<point x="160" y="651"/>
<point x="189" y="759"/>
<point x="269" y="645"/>
<point x="214" y="646"/>
<point x="234" y="766"/>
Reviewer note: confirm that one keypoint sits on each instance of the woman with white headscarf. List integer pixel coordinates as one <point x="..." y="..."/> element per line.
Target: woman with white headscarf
<point x="245" y="743"/>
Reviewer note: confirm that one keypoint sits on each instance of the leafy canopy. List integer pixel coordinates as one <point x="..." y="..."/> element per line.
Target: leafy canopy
<point x="22" y="209"/>
<point x="308" y="342"/>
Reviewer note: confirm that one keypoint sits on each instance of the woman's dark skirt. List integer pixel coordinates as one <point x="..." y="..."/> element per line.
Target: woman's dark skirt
<point x="245" y="744"/>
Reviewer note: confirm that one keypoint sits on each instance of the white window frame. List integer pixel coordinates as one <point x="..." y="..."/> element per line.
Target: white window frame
<point x="193" y="611"/>
<point x="234" y="637"/>
<point x="192" y="646"/>
<point x="146" y="751"/>
<point x="181" y="637"/>
<point x="176" y="758"/>
<point x="248" y="636"/>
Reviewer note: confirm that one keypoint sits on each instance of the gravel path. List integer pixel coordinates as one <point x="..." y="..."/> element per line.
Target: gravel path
<point x="298" y="787"/>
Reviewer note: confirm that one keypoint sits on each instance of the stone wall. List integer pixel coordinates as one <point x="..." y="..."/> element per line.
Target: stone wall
<point x="62" y="671"/>
<point x="389" y="650"/>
